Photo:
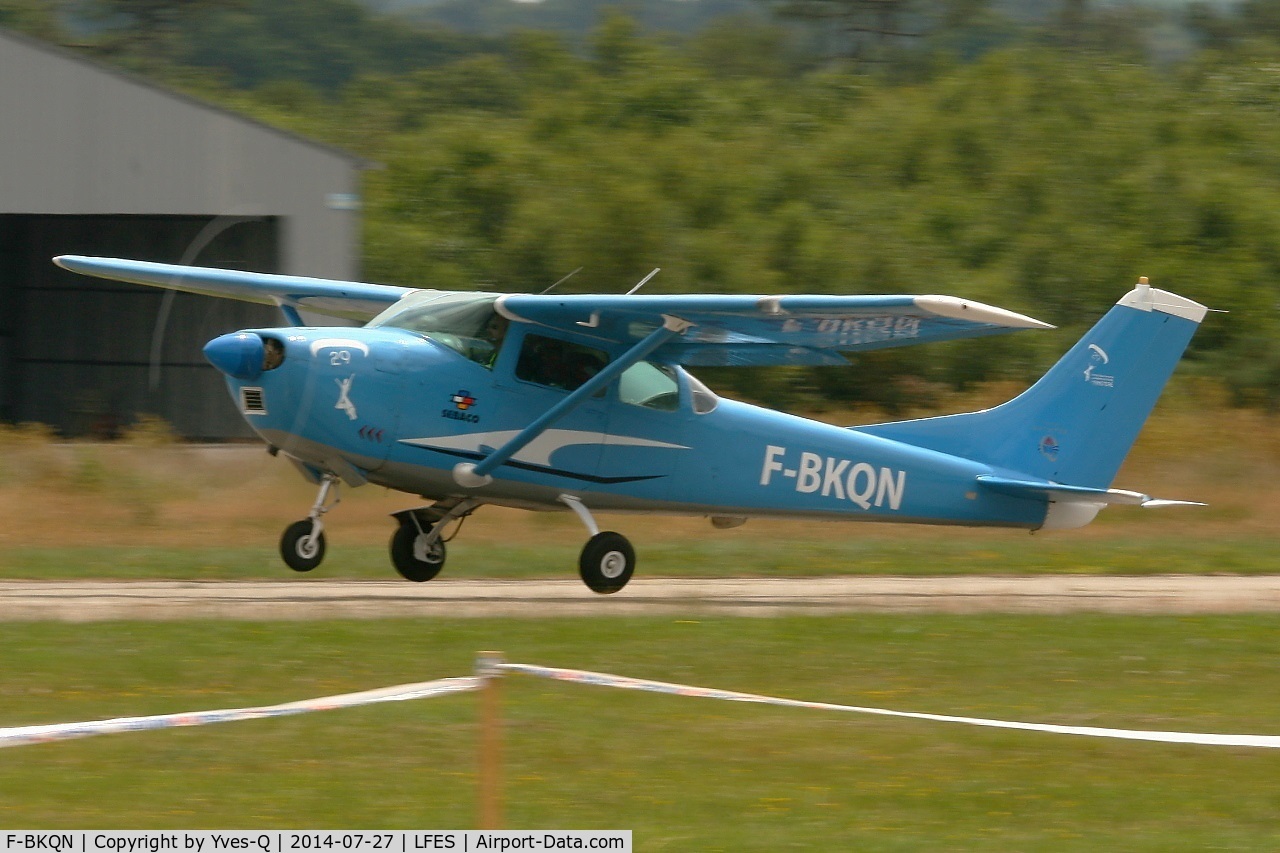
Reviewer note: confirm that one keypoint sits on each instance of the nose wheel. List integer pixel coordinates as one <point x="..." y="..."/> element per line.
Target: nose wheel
<point x="302" y="545"/>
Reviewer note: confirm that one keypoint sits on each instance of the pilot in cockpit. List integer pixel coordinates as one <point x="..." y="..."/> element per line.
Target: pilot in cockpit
<point x="492" y="333"/>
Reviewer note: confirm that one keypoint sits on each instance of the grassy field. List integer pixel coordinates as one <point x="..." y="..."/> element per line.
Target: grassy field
<point x="145" y="508"/>
<point x="709" y="556"/>
<point x="684" y="774"/>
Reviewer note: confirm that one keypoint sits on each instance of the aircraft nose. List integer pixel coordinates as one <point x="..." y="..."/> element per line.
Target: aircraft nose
<point x="238" y="354"/>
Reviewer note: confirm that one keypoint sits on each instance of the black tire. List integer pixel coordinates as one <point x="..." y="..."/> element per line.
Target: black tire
<point x="406" y="561"/>
<point x="607" y="562"/>
<point x="299" y="554"/>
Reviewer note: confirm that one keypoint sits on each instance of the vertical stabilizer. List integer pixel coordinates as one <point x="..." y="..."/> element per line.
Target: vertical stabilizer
<point x="1078" y="422"/>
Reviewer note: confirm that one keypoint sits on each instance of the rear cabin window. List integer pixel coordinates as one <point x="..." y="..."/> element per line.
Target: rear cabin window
<point x="558" y="364"/>
<point x="651" y="386"/>
<point x="704" y="401"/>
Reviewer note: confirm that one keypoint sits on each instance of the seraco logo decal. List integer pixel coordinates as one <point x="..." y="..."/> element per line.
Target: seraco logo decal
<point x="462" y="404"/>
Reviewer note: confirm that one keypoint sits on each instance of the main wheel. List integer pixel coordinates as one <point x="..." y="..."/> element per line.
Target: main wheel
<point x="411" y="559"/>
<point x="607" y="562"/>
<point x="301" y="551"/>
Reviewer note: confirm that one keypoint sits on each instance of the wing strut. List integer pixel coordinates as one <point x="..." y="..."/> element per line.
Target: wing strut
<point x="473" y="476"/>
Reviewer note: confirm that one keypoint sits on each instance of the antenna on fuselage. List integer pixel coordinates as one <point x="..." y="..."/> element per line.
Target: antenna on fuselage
<point x="644" y="280"/>
<point x="561" y="281"/>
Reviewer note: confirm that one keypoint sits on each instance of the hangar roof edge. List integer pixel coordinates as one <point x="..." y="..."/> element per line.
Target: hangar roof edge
<point x="70" y="55"/>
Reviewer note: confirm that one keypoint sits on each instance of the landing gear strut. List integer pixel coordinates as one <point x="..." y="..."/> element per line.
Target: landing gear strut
<point x="608" y="560"/>
<point x="417" y="547"/>
<point x="302" y="545"/>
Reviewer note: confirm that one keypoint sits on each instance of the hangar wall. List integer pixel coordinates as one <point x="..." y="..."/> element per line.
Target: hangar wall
<point x="87" y="356"/>
<point x="76" y="137"/>
<point x="95" y="161"/>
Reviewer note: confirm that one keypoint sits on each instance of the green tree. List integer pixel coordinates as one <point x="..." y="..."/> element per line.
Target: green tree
<point x="1037" y="176"/>
<point x="862" y="30"/>
<point x="33" y="17"/>
<point x="146" y="33"/>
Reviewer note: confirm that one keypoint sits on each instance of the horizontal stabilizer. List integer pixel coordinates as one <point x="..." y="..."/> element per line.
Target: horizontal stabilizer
<point x="1061" y="493"/>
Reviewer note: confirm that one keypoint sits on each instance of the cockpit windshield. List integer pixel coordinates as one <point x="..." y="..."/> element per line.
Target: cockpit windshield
<point x="464" y="322"/>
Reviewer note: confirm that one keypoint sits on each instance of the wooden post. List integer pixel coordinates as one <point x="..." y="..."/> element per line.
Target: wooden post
<point x="488" y="668"/>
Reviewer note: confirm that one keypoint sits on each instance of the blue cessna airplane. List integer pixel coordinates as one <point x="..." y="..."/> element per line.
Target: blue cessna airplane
<point x="581" y="403"/>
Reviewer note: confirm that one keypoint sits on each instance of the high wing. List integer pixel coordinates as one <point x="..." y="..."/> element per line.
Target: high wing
<point x="351" y="300"/>
<point x="765" y="330"/>
<point x="723" y="330"/>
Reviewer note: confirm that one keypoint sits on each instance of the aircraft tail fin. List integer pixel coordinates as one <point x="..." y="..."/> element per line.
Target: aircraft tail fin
<point x="1076" y="424"/>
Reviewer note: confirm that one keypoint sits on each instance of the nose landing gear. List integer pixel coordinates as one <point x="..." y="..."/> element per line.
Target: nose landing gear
<point x="302" y="545"/>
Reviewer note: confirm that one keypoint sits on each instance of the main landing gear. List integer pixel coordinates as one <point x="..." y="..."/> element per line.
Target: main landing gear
<point x="418" y="545"/>
<point x="607" y="560"/>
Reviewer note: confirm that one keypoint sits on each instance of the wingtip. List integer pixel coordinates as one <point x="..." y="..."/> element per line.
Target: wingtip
<point x="82" y="264"/>
<point x="956" y="308"/>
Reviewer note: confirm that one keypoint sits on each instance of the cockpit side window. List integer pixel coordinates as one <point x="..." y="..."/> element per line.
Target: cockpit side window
<point x="464" y="322"/>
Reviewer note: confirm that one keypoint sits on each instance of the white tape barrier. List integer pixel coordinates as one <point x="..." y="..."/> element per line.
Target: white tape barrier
<point x="602" y="679"/>
<point x="22" y="735"/>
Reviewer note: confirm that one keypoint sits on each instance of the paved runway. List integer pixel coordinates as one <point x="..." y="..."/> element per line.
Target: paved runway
<point x="313" y="598"/>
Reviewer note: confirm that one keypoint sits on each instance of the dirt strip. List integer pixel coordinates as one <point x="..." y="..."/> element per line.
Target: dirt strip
<point x="309" y="598"/>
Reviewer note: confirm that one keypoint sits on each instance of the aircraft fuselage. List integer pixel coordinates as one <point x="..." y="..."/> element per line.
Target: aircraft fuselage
<point x="390" y="407"/>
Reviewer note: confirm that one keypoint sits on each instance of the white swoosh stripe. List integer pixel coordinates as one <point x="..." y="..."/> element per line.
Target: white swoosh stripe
<point x="538" y="451"/>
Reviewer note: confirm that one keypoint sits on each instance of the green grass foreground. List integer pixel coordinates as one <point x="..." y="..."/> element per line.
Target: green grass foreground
<point x="684" y="774"/>
<point x="1000" y="553"/>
